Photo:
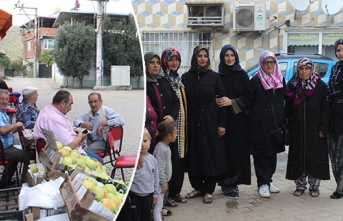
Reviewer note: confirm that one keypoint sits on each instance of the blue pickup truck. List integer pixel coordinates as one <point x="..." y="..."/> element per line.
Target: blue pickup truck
<point x="288" y="64"/>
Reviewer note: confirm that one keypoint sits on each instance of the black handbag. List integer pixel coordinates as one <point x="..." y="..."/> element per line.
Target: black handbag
<point x="280" y="134"/>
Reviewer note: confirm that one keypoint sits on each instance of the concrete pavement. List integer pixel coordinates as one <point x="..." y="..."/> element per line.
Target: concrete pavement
<point x="250" y="206"/>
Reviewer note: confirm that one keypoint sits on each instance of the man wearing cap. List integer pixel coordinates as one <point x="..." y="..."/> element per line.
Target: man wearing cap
<point x="6" y="135"/>
<point x="27" y="112"/>
<point x="98" y="120"/>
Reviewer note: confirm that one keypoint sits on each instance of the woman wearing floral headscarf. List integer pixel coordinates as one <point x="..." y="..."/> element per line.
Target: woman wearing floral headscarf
<point x="268" y="91"/>
<point x="171" y="60"/>
<point x="308" y="113"/>
<point x="206" y="126"/>
<point x="237" y="98"/>
<point x="335" y="136"/>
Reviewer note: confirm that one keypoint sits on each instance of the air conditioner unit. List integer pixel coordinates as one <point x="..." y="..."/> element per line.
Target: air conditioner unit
<point x="252" y="17"/>
<point x="205" y="14"/>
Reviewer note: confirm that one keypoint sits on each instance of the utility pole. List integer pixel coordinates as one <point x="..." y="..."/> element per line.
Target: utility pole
<point x="99" y="48"/>
<point x="35" y="37"/>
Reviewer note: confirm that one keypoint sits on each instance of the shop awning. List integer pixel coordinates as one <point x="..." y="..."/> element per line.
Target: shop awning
<point x="5" y="23"/>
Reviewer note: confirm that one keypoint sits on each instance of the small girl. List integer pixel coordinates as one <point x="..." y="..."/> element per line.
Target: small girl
<point x="167" y="133"/>
<point x="145" y="187"/>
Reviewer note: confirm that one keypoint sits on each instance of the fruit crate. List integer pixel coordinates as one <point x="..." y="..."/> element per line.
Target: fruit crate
<point x="9" y="204"/>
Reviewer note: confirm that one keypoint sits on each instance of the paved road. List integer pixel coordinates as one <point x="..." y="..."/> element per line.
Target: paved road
<point x="251" y="207"/>
<point x="130" y="104"/>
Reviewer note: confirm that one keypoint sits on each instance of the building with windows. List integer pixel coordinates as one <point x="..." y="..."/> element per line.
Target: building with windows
<point x="251" y="26"/>
<point x="37" y="37"/>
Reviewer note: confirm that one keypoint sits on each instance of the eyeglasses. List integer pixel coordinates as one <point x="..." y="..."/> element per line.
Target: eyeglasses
<point x="268" y="62"/>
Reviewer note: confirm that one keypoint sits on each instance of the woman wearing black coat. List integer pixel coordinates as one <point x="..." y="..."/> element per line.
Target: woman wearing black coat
<point x="206" y="126"/>
<point x="162" y="96"/>
<point x="308" y="113"/>
<point x="268" y="89"/>
<point x="237" y="98"/>
<point x="335" y="136"/>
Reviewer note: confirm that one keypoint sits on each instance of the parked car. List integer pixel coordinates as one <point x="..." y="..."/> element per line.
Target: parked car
<point x="288" y="64"/>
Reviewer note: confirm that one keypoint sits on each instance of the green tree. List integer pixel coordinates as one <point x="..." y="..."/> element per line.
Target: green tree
<point x="74" y="49"/>
<point x="5" y="61"/>
<point x="46" y="58"/>
<point x="17" y="66"/>
<point x="121" y="46"/>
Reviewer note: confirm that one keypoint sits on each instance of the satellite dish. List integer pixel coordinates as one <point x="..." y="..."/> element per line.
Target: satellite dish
<point x="300" y="5"/>
<point x="331" y="7"/>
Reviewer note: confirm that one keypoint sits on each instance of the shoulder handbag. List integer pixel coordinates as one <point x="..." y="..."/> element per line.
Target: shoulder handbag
<point x="280" y="134"/>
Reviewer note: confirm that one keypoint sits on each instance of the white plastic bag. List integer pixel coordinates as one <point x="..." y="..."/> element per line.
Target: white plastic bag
<point x="45" y="195"/>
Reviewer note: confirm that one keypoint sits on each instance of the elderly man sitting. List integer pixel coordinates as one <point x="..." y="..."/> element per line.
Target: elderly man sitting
<point x="27" y="112"/>
<point x="53" y="117"/>
<point x="98" y="120"/>
<point x="6" y="135"/>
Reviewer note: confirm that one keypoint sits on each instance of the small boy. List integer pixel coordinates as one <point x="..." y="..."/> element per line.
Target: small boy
<point x="145" y="185"/>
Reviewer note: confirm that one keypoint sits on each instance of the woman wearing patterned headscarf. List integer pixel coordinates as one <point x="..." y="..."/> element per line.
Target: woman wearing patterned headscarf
<point x="171" y="60"/>
<point x="206" y="123"/>
<point x="307" y="111"/>
<point x="335" y="136"/>
<point x="237" y="98"/>
<point x="268" y="95"/>
<point x="162" y="96"/>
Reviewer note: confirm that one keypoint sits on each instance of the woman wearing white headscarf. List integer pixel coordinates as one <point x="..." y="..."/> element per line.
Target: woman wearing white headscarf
<point x="268" y="91"/>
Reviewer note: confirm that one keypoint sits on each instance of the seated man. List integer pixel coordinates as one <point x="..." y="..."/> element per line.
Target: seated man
<point x="27" y="112"/>
<point x="53" y="117"/>
<point x="6" y="135"/>
<point x="98" y="120"/>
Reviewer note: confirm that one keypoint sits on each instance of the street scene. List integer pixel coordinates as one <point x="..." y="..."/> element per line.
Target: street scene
<point x="241" y="102"/>
<point x="129" y="104"/>
<point x="272" y="42"/>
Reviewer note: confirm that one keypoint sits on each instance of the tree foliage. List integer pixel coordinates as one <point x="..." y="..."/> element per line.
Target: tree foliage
<point x="16" y="66"/>
<point x="46" y="58"/>
<point x="74" y="49"/>
<point x="5" y="61"/>
<point x="121" y="46"/>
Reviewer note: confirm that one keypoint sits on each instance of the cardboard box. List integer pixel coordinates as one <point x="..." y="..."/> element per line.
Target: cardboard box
<point x="49" y="156"/>
<point x="38" y="213"/>
<point x="79" y="208"/>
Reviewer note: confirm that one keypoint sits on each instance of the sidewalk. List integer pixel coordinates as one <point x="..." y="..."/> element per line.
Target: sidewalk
<point x="250" y="206"/>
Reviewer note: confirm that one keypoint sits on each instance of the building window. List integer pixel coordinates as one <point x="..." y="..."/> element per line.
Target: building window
<point x="49" y="44"/>
<point x="29" y="46"/>
<point x="183" y="41"/>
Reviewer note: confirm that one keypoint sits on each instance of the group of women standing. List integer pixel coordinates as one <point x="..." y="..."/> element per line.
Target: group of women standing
<point x="223" y="118"/>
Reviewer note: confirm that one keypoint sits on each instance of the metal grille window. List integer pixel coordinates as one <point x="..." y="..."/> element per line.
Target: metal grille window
<point x="183" y="41"/>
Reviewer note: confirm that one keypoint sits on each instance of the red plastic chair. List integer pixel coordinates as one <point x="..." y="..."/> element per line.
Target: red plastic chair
<point x="40" y="144"/>
<point x="115" y="140"/>
<point x="12" y="101"/>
